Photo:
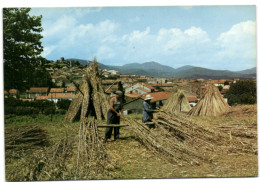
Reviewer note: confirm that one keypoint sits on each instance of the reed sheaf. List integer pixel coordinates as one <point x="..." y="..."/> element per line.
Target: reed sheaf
<point x="90" y="92"/>
<point x="211" y="104"/>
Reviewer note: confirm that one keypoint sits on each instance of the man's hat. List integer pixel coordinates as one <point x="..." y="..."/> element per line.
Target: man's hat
<point x="118" y="92"/>
<point x="148" y="97"/>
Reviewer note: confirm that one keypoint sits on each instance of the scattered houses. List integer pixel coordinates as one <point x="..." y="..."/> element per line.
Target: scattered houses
<point x="55" y="97"/>
<point x="135" y="105"/>
<point x="192" y="100"/>
<point x="139" y="88"/>
<point x="33" y="92"/>
<point x="14" y="93"/>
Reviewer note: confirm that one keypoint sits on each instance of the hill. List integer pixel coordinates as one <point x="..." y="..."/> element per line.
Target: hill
<point x="154" y="69"/>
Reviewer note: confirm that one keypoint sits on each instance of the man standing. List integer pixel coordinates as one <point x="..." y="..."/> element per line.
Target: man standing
<point x="113" y="115"/>
<point x="148" y="111"/>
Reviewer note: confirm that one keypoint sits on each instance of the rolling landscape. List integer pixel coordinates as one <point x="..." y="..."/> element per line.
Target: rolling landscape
<point x="154" y="69"/>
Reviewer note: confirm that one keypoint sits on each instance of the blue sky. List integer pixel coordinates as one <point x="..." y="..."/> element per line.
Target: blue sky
<point x="215" y="37"/>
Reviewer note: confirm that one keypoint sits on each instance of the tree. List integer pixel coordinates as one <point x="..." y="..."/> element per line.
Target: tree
<point x="226" y="83"/>
<point x="242" y="92"/>
<point x="22" y="47"/>
<point x="220" y="88"/>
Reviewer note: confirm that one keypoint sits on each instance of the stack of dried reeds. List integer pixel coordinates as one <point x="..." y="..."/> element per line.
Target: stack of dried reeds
<point x="173" y="141"/>
<point x="92" y="156"/>
<point x="90" y="92"/>
<point x="84" y="157"/>
<point x="25" y="137"/>
<point x="242" y="138"/>
<point x="211" y="104"/>
<point x="177" y="103"/>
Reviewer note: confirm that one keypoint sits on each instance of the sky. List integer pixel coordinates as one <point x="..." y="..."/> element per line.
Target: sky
<point x="214" y="37"/>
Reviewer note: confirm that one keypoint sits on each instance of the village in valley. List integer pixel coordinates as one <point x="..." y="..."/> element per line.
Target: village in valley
<point x="135" y="86"/>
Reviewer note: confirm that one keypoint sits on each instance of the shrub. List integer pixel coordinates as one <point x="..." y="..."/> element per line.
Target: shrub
<point x="49" y="110"/>
<point x="63" y="104"/>
<point x="242" y="92"/>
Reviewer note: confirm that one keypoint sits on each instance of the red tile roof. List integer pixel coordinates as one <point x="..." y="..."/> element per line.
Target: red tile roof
<point x="42" y="97"/>
<point x="181" y="84"/>
<point x="143" y="89"/>
<point x="57" y="90"/>
<point x="191" y="99"/>
<point x="148" y="86"/>
<point x="164" y="84"/>
<point x="71" y="89"/>
<point x="37" y="89"/>
<point x="157" y="96"/>
<point x="13" y="91"/>
<point x="133" y="95"/>
<point x="59" y="95"/>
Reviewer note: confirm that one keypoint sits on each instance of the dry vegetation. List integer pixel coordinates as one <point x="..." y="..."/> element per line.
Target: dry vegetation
<point x="229" y="142"/>
<point x="211" y="104"/>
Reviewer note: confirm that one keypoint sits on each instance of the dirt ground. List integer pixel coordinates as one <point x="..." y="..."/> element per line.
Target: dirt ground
<point x="131" y="160"/>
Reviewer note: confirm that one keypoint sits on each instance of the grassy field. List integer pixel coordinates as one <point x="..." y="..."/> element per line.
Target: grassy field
<point x="131" y="160"/>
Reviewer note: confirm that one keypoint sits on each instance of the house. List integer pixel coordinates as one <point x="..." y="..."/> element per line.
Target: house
<point x="33" y="92"/>
<point x="14" y="93"/>
<point x="145" y="86"/>
<point x="159" y="98"/>
<point x="72" y="90"/>
<point x="140" y="91"/>
<point x="225" y="89"/>
<point x="192" y="100"/>
<point x="55" y="97"/>
<point x="57" y="90"/>
<point x="219" y="82"/>
<point x="41" y="98"/>
<point x="136" y="104"/>
<point x="113" y="72"/>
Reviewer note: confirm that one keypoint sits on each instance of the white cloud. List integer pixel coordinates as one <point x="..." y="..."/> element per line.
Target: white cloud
<point x="48" y="50"/>
<point x="105" y="52"/>
<point x="59" y="27"/>
<point x="239" y="41"/>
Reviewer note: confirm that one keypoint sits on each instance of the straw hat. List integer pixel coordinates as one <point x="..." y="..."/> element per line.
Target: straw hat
<point x="118" y="92"/>
<point x="148" y="97"/>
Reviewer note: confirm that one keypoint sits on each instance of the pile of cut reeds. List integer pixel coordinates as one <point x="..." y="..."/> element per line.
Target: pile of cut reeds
<point x="242" y="138"/>
<point x="172" y="142"/>
<point x="90" y="92"/>
<point x="177" y="102"/>
<point x="211" y="104"/>
<point x="25" y="137"/>
<point x="80" y="158"/>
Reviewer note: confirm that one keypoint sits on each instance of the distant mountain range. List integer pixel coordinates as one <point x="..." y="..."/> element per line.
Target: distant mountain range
<point x="154" y="69"/>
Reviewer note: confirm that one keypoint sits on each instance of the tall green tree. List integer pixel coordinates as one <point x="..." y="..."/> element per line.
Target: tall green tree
<point x="242" y="92"/>
<point x="22" y="47"/>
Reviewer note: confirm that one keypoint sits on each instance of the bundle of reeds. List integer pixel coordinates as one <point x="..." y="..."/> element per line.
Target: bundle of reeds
<point x="211" y="104"/>
<point x="177" y="103"/>
<point x="81" y="158"/>
<point x="25" y="137"/>
<point x="172" y="143"/>
<point x="92" y="156"/>
<point x="90" y="92"/>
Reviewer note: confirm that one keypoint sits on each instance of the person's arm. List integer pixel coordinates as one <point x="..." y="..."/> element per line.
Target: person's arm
<point x="111" y="106"/>
<point x="122" y="114"/>
<point x="147" y="108"/>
